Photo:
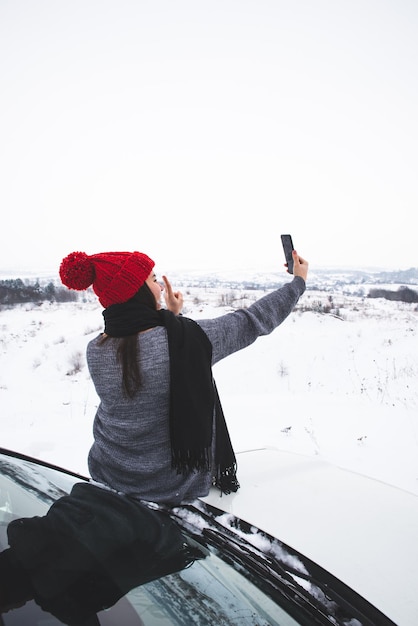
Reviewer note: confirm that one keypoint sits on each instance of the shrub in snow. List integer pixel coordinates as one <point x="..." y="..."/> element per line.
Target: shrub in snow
<point x="76" y="363"/>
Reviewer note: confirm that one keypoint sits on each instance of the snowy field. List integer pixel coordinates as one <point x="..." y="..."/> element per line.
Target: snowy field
<point x="341" y="385"/>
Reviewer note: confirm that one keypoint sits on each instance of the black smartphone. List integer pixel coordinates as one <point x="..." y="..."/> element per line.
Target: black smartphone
<point x="288" y="249"/>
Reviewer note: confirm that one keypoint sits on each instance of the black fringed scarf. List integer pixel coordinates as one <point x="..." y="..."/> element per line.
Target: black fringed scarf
<point x="194" y="399"/>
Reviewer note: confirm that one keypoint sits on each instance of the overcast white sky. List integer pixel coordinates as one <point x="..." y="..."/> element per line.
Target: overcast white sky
<point x="197" y="131"/>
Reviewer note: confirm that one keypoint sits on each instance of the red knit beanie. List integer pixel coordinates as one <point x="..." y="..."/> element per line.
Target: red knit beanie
<point x="115" y="276"/>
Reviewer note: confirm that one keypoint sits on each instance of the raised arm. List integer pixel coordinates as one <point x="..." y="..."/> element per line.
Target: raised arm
<point x="235" y="331"/>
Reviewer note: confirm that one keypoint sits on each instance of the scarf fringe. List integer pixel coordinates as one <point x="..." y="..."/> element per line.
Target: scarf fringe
<point x="186" y="461"/>
<point x="227" y="481"/>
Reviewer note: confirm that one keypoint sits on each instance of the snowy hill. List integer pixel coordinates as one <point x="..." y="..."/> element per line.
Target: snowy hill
<point x="337" y="379"/>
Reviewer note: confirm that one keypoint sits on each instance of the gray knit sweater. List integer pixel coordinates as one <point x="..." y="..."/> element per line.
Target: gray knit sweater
<point x="131" y="451"/>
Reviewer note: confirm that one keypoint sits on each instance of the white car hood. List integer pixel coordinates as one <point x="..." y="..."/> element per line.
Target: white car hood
<point x="362" y="531"/>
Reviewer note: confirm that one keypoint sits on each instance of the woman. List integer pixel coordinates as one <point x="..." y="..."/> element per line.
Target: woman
<point x="159" y="431"/>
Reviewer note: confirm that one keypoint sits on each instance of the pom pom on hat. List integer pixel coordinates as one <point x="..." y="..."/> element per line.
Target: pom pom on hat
<point x="77" y="271"/>
<point x="115" y="276"/>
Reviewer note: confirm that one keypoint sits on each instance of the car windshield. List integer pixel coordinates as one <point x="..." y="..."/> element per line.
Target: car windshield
<point x="75" y="553"/>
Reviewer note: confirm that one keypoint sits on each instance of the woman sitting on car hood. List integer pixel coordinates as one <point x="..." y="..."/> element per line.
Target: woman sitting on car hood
<point x="159" y="431"/>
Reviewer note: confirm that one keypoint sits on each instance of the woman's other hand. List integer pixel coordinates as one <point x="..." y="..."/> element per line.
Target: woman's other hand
<point x="173" y="299"/>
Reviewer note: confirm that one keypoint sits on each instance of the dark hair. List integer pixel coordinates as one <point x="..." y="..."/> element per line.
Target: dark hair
<point x="128" y="348"/>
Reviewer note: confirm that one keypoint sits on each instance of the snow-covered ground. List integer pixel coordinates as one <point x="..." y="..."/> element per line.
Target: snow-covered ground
<point x="342" y="386"/>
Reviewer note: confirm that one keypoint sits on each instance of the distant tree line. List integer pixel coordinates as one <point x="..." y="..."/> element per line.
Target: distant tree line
<point x="15" y="291"/>
<point x="403" y="294"/>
